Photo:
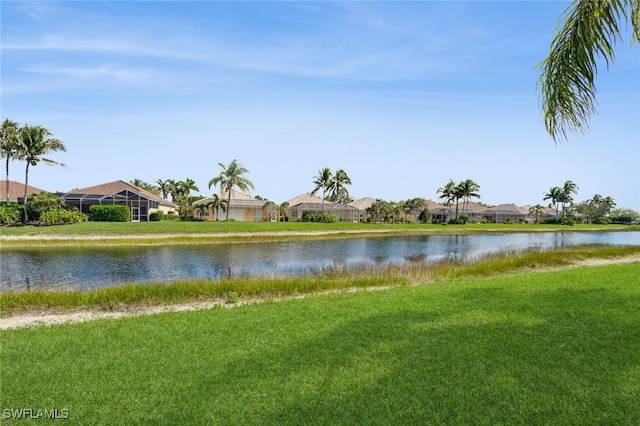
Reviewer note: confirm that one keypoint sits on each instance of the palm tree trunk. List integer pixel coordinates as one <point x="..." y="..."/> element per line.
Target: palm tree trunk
<point x="228" y="203"/>
<point x="24" y="201"/>
<point x="7" y="178"/>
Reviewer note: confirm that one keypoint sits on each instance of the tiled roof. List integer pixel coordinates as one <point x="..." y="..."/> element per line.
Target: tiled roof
<point x="238" y="199"/>
<point x="363" y="203"/>
<point x="307" y="199"/>
<point x="117" y="186"/>
<point x="16" y="190"/>
<point x="505" y="209"/>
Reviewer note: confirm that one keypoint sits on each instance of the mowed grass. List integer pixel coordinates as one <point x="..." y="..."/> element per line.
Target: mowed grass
<point x="188" y="227"/>
<point x="555" y="347"/>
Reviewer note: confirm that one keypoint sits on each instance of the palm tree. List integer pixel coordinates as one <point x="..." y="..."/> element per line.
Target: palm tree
<point x="201" y="209"/>
<point x="137" y="182"/>
<point x="569" y="189"/>
<point x="230" y="177"/>
<point x="338" y="187"/>
<point x="182" y="195"/>
<point x="322" y="181"/>
<point x="537" y="211"/>
<point x="9" y="146"/>
<point x="468" y="189"/>
<point x="590" y="30"/>
<point x="269" y="208"/>
<point x="556" y="195"/>
<point x="164" y="186"/>
<point x="449" y="193"/>
<point x="216" y="203"/>
<point x="283" y="210"/>
<point x="34" y="144"/>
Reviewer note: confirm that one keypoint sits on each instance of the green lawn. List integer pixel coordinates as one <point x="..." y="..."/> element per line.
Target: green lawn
<point x="180" y="231"/>
<point x="557" y="347"/>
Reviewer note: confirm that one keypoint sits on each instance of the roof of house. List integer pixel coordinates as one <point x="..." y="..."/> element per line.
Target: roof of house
<point x="363" y="203"/>
<point x="238" y="199"/>
<point x="311" y="202"/>
<point x="432" y="205"/>
<point x="505" y="209"/>
<point x="116" y="187"/>
<point x="16" y="190"/>
<point x="306" y="198"/>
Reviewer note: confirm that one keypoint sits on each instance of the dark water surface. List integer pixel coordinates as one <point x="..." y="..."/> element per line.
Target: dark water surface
<point x="85" y="268"/>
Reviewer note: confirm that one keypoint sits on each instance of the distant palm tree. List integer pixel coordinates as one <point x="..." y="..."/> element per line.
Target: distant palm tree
<point x="34" y="144"/>
<point x="202" y="208"/>
<point x="467" y="190"/>
<point x="230" y="177"/>
<point x="555" y="195"/>
<point x="9" y="146"/>
<point x="537" y="211"/>
<point x="269" y="208"/>
<point x="164" y="186"/>
<point x="182" y="195"/>
<point x="322" y="181"/>
<point x="283" y="210"/>
<point x="216" y="204"/>
<point x="137" y="182"/>
<point x="569" y="189"/>
<point x="338" y="187"/>
<point x="449" y="194"/>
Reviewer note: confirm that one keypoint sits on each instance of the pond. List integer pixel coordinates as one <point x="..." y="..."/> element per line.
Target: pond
<point x="86" y="268"/>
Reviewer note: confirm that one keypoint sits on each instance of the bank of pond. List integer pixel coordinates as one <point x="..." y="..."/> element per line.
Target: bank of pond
<point x="93" y="267"/>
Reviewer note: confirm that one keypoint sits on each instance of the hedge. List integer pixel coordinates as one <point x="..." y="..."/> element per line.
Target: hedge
<point x="109" y="213"/>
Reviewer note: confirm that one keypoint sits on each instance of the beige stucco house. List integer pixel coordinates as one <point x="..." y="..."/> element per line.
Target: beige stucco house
<point x="242" y="208"/>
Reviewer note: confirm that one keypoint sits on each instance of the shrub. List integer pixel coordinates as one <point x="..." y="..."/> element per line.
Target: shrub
<point x="41" y="203"/>
<point x="10" y="213"/>
<point x="109" y="213"/>
<point x="62" y="217"/>
<point x="156" y="216"/>
<point x="320" y="217"/>
<point x="171" y="215"/>
<point x="424" y="216"/>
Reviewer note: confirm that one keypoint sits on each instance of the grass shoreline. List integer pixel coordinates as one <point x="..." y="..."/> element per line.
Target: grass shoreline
<point x="132" y="296"/>
<point x="128" y="234"/>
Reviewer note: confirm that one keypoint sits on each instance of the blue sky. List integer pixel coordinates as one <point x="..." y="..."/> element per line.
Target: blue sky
<point x="401" y="95"/>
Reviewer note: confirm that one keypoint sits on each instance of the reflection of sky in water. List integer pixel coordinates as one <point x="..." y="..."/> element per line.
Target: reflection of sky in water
<point x="88" y="268"/>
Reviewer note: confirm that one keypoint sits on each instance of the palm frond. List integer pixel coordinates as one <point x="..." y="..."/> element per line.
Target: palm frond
<point x="567" y="80"/>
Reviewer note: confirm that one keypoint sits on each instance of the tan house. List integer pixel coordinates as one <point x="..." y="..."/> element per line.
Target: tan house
<point x="443" y="214"/>
<point x="362" y="204"/>
<point x="242" y="208"/>
<point x="505" y="213"/>
<point x="307" y="203"/>
<point x="16" y="191"/>
<point x="141" y="202"/>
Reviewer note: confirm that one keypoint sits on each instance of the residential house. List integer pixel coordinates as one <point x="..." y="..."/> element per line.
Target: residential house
<point x="362" y="204"/>
<point x="505" y="213"/>
<point x="307" y="203"/>
<point x="141" y="202"/>
<point x="16" y="191"/>
<point x="241" y="208"/>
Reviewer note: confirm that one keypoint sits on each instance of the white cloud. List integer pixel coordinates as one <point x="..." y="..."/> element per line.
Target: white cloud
<point x="103" y="71"/>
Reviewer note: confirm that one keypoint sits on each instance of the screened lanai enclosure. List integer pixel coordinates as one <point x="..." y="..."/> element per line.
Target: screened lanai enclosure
<point x="141" y="203"/>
